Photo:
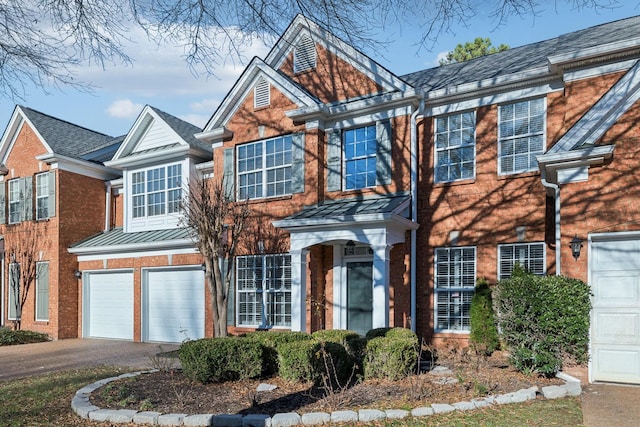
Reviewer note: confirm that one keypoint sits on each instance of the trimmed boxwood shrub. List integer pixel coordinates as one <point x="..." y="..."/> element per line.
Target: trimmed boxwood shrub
<point x="221" y="359"/>
<point x="483" y="334"/>
<point x="391" y="333"/>
<point x="351" y="341"/>
<point x="271" y="341"/>
<point x="543" y="320"/>
<point x="392" y="357"/>
<point x="313" y="360"/>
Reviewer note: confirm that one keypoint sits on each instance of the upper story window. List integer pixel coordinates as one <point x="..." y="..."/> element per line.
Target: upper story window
<point x="304" y="55"/>
<point x="156" y="191"/>
<point x="521" y="135"/>
<point x="261" y="94"/>
<point x="455" y="147"/>
<point x="15" y="199"/>
<point x="455" y="280"/>
<point x="264" y="168"/>
<point x="359" y="158"/>
<point x="530" y="256"/>
<point x="45" y="195"/>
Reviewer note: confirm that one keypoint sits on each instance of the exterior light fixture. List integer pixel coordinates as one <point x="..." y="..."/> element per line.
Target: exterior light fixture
<point x="351" y="244"/>
<point x="77" y="273"/>
<point x="576" y="246"/>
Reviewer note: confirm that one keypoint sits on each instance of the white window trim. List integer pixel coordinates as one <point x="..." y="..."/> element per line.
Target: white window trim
<point x="38" y="268"/>
<point x="43" y="176"/>
<point x="263" y="170"/>
<point x="435" y="148"/>
<point x="544" y="254"/>
<point x="264" y="294"/>
<point x="544" y="135"/>
<point x="156" y="222"/>
<point x="448" y="290"/>
<point x="18" y="203"/>
<point x="344" y="156"/>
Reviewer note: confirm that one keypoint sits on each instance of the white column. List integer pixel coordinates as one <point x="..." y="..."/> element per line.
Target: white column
<point x="381" y="286"/>
<point x="298" y="289"/>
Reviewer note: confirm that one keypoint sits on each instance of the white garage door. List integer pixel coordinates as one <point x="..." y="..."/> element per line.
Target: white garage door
<point x="108" y="305"/>
<point x="174" y="305"/>
<point x="615" y="320"/>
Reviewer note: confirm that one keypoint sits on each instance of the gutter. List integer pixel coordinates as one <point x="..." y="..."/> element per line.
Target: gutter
<point x="414" y="209"/>
<point x="556" y="191"/>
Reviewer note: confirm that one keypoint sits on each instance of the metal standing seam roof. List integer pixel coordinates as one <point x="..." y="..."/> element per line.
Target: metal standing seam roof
<point x="351" y="207"/>
<point x="65" y="138"/>
<point x="117" y="237"/>
<point x="523" y="58"/>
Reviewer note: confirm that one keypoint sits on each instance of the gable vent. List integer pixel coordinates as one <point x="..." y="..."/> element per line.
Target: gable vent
<point x="304" y="55"/>
<point x="261" y="94"/>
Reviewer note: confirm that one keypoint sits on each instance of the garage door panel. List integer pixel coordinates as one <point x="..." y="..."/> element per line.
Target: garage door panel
<point x="174" y="302"/>
<point x="618" y="365"/>
<point x="616" y="328"/>
<point x="109" y="309"/>
<point x="618" y="255"/>
<point x="621" y="289"/>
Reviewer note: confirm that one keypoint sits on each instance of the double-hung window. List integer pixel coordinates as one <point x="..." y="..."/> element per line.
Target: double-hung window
<point x="45" y="195"/>
<point x="156" y="191"/>
<point x="15" y="200"/>
<point x="455" y="279"/>
<point x="521" y="137"/>
<point x="264" y="168"/>
<point x="263" y="295"/>
<point x="530" y="256"/>
<point x="455" y="147"/>
<point x="360" y="148"/>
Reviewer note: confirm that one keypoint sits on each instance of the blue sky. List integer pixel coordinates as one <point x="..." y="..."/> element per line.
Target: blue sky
<point x="161" y="78"/>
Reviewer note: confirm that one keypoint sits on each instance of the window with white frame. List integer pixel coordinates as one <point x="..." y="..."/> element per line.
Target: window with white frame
<point x="264" y="168"/>
<point x="455" y="280"/>
<point x="530" y="256"/>
<point x="521" y="128"/>
<point x="42" y="291"/>
<point x="156" y="191"/>
<point x="360" y="148"/>
<point x="42" y="196"/>
<point x="15" y="201"/>
<point x="14" y="290"/>
<point x="455" y="147"/>
<point x="263" y="297"/>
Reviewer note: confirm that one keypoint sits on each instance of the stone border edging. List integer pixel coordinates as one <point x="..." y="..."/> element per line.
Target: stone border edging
<point x="82" y="407"/>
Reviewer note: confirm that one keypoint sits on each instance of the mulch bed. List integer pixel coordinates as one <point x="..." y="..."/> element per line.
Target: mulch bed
<point x="168" y="391"/>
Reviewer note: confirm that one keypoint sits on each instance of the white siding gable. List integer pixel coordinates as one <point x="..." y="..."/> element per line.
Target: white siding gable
<point x="156" y="135"/>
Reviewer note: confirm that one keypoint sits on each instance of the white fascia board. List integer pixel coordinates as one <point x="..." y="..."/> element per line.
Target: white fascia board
<point x="354" y="108"/>
<point x="81" y="167"/>
<point x="149" y="158"/>
<point x="453" y="106"/>
<point x="562" y="60"/>
<point x="597" y="71"/>
<point x="18" y="119"/>
<point x="135" y="254"/>
<point x="117" y="183"/>
<point x="215" y="135"/>
<point x="588" y="156"/>
<point x="143" y="120"/>
<point x="302" y="25"/>
<point x="136" y="248"/>
<point x="343" y="222"/>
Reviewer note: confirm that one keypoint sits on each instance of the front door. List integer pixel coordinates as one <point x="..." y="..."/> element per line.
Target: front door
<point x="359" y="296"/>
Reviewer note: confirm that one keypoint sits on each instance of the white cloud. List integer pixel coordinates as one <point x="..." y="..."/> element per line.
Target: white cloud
<point x="206" y="105"/>
<point x="124" y="109"/>
<point x="195" y="119"/>
<point x="439" y="56"/>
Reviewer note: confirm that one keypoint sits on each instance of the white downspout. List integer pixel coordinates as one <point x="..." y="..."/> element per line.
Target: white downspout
<point x="414" y="209"/>
<point x="107" y="214"/>
<point x="556" y="190"/>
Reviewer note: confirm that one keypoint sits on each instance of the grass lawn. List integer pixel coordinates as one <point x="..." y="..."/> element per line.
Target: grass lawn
<point x="45" y="400"/>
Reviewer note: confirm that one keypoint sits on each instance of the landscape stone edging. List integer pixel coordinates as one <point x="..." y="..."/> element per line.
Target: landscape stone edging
<point x="83" y="408"/>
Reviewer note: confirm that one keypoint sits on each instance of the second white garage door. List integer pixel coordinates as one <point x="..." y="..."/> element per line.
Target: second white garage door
<point x="615" y="320"/>
<point x="173" y="305"/>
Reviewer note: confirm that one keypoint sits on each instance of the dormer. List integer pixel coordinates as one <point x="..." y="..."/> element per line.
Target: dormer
<point x="157" y="157"/>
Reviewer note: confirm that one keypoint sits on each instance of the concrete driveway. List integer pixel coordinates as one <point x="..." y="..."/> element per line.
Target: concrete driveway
<point x="19" y="361"/>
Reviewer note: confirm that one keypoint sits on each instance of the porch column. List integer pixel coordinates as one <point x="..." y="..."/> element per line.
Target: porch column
<point x="381" y="286"/>
<point x="298" y="289"/>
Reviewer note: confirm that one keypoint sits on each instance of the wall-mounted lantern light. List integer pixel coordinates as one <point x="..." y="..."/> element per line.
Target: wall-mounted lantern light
<point x="77" y="273"/>
<point x="576" y="246"/>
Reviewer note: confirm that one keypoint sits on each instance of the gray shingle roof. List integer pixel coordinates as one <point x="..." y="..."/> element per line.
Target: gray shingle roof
<point x="351" y="207"/>
<point x="66" y="138"/>
<point x="117" y="237"/>
<point x="185" y="129"/>
<point x="523" y="58"/>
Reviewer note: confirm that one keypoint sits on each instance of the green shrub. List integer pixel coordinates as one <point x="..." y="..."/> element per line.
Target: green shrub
<point x="392" y="358"/>
<point x="271" y="341"/>
<point x="484" y="334"/>
<point x="315" y="361"/>
<point x="391" y="333"/>
<point x="543" y="320"/>
<point x="221" y="359"/>
<point x="351" y="341"/>
<point x="11" y="337"/>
